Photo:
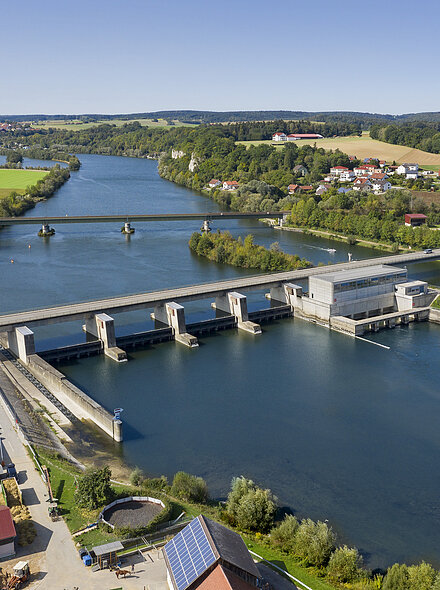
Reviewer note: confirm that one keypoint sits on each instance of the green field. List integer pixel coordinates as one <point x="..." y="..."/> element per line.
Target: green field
<point x="76" y="124"/>
<point x="18" y="180"/>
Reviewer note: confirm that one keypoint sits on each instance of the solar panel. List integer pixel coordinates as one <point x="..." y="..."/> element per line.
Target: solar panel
<point x="189" y="554"/>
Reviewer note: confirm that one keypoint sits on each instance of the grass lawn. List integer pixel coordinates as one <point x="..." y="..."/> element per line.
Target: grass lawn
<point x="19" y="180"/>
<point x="365" y="147"/>
<point x="76" y="125"/>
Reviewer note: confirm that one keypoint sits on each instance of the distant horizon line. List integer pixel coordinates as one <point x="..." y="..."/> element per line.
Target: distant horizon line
<point x="193" y="111"/>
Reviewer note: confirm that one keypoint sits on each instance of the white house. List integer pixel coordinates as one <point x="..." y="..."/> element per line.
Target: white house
<point x="230" y="185"/>
<point x="365" y="170"/>
<point x="214" y="182"/>
<point x="411" y="171"/>
<point x="380" y="186"/>
<point x="337" y="170"/>
<point x="362" y="184"/>
<point x="279" y="136"/>
<point x="347" y="176"/>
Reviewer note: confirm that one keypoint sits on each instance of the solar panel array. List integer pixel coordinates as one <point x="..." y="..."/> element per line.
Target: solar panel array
<point x="189" y="554"/>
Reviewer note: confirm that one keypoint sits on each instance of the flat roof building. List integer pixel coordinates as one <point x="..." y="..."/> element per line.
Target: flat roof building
<point x="354" y="293"/>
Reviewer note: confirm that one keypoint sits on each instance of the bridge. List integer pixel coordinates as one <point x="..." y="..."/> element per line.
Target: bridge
<point x="47" y="223"/>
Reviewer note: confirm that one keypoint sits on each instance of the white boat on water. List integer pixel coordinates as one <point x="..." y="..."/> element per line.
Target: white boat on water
<point x="331" y="250"/>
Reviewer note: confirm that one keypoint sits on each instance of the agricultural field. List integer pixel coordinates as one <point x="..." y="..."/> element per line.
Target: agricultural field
<point x="365" y="147"/>
<point x="76" y="125"/>
<point x="18" y="180"/>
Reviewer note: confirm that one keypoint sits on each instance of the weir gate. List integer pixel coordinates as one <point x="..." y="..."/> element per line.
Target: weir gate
<point x="226" y="297"/>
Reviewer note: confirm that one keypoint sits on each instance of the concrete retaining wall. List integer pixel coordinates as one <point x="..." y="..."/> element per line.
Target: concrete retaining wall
<point x="434" y="315"/>
<point x="52" y="378"/>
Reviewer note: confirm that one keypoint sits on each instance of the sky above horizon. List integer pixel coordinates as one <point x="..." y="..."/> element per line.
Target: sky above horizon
<point x="148" y="55"/>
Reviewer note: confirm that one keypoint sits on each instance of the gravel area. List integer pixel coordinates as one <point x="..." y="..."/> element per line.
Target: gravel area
<point x="132" y="514"/>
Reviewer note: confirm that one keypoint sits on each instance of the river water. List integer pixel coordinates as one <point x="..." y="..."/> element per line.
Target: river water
<point x="339" y="429"/>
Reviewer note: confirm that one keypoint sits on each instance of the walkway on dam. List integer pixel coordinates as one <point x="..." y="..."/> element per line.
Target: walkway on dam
<point x="79" y="311"/>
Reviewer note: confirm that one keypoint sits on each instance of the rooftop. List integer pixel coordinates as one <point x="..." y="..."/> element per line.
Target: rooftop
<point x="359" y="273"/>
<point x="108" y="548"/>
<point x="7" y="528"/>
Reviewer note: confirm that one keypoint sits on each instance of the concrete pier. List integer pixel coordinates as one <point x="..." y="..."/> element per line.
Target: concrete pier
<point x="127" y="229"/>
<point x="172" y="314"/>
<point x="288" y="293"/>
<point x="21" y="342"/>
<point x="236" y="304"/>
<point x="102" y="326"/>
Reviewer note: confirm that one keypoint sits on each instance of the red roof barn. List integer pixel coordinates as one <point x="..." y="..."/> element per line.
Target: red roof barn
<point x="7" y="533"/>
<point x="415" y="219"/>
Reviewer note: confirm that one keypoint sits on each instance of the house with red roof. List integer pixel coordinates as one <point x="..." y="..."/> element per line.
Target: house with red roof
<point x="361" y="184"/>
<point x="214" y="182"/>
<point x="337" y="170"/>
<point x="293" y="188"/>
<point x="7" y="533"/>
<point x="415" y="219"/>
<point x="279" y="136"/>
<point x="295" y="136"/>
<point x="230" y="185"/>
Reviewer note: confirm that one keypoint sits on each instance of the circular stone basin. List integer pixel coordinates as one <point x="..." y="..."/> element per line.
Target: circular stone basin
<point x="133" y="514"/>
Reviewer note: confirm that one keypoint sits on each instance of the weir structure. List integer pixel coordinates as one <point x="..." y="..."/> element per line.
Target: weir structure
<point x="229" y="301"/>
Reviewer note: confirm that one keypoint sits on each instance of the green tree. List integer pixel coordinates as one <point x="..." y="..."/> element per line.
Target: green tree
<point x="421" y="577"/>
<point x="251" y="507"/>
<point x="314" y="542"/>
<point x="94" y="489"/>
<point x="283" y="535"/>
<point x="344" y="565"/>
<point x="189" y="487"/>
<point x="136" y="477"/>
<point x="397" y="578"/>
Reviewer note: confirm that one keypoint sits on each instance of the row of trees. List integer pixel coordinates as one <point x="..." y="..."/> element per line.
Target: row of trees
<point x="421" y="135"/>
<point x="223" y="248"/>
<point x="372" y="217"/>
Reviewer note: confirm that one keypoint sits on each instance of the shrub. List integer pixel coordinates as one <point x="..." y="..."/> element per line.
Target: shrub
<point x="344" y="565"/>
<point x="136" y="477"/>
<point x="283" y="535"/>
<point x="189" y="487"/>
<point x="397" y="578"/>
<point x="314" y="542"/>
<point x="251" y="507"/>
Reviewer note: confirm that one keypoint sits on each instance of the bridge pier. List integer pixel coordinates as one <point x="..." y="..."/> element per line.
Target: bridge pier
<point x="21" y="342"/>
<point x="102" y="326"/>
<point x="46" y="231"/>
<point x="206" y="227"/>
<point x="173" y="314"/>
<point x="236" y="305"/>
<point x="127" y="229"/>
<point x="288" y="293"/>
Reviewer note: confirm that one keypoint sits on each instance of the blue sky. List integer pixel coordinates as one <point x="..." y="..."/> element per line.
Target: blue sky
<point x="146" y="55"/>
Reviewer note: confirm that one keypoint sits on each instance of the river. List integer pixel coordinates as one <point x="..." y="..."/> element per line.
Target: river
<point x="339" y="429"/>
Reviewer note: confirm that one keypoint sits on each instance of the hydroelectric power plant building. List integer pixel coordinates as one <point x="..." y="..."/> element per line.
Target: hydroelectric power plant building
<point x="361" y="299"/>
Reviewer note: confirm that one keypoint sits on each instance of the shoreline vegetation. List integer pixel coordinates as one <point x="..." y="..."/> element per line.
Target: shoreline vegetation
<point x="224" y="249"/>
<point x="306" y="549"/>
<point x="18" y="201"/>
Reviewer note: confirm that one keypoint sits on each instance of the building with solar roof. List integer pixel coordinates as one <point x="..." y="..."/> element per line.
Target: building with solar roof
<point x="208" y="556"/>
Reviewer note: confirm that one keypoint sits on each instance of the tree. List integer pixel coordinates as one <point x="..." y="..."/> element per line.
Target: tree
<point x="251" y="507"/>
<point x="436" y="584"/>
<point x="397" y="578"/>
<point x="189" y="487"/>
<point x="344" y="565"/>
<point x="94" y="489"/>
<point x="314" y="542"/>
<point x="136" y="477"/>
<point x="284" y="534"/>
<point x="13" y="157"/>
<point x="421" y="577"/>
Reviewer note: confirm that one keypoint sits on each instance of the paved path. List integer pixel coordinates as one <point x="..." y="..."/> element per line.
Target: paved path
<point x="78" y="311"/>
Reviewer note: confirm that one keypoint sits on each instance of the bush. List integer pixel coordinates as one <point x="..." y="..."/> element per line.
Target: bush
<point x="94" y="489"/>
<point x="283" y="535"/>
<point x="190" y="488"/>
<point x="397" y="578"/>
<point x="314" y="542"/>
<point x="344" y="565"/>
<point x="156" y="484"/>
<point x="251" y="507"/>
<point x="136" y="477"/>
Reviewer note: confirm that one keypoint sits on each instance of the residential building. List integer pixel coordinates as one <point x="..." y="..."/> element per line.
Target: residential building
<point x="411" y="171"/>
<point x="347" y="176"/>
<point x="337" y="170"/>
<point x="293" y="188"/>
<point x="300" y="169"/>
<point x="206" y="555"/>
<point x="362" y="184"/>
<point x="321" y="190"/>
<point x="378" y="176"/>
<point x="230" y="185"/>
<point x="214" y="182"/>
<point x="279" y="136"/>
<point x="415" y="219"/>
<point x="380" y="186"/>
<point x="306" y="187"/>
